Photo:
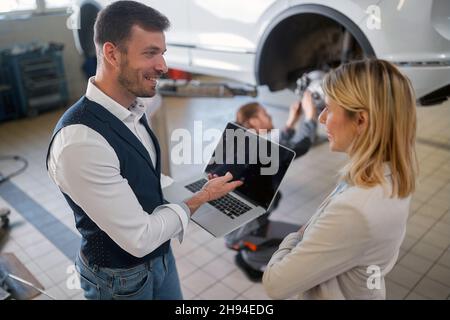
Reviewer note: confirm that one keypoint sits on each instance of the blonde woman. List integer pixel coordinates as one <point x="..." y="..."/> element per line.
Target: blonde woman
<point x="353" y="239"/>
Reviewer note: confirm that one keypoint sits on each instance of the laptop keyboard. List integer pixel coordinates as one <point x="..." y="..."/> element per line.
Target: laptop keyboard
<point x="228" y="204"/>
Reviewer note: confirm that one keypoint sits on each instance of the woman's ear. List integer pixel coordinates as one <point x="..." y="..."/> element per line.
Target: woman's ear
<point x="362" y="121"/>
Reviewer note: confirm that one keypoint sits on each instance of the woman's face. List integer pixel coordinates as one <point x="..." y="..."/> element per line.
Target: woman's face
<point x="341" y="129"/>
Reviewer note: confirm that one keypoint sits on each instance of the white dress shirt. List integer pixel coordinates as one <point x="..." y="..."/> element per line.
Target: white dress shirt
<point x="86" y="168"/>
<point x="347" y="248"/>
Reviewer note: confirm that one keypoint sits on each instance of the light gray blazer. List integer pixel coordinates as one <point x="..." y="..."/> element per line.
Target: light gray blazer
<point x="348" y="247"/>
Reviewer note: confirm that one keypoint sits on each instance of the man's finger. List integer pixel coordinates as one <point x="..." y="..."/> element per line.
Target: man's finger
<point x="227" y="177"/>
<point x="234" y="184"/>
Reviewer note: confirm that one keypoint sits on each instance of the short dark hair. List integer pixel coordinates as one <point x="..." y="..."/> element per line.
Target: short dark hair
<point x="114" y="22"/>
<point x="246" y="112"/>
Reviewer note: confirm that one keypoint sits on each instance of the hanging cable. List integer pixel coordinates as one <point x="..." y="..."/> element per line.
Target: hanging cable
<point x="4" y="178"/>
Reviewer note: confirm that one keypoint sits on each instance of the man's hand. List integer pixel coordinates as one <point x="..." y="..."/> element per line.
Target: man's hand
<point x="307" y="106"/>
<point x="215" y="188"/>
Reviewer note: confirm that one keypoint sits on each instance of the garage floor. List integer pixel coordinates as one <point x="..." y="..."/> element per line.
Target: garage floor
<point x="44" y="238"/>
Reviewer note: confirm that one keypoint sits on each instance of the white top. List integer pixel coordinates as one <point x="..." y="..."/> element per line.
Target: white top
<point x="86" y="168"/>
<point x="349" y="245"/>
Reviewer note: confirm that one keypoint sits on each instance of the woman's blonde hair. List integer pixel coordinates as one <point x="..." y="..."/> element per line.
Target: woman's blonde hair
<point x="378" y="87"/>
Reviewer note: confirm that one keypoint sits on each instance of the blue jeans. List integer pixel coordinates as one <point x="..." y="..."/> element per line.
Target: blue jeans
<point x="156" y="279"/>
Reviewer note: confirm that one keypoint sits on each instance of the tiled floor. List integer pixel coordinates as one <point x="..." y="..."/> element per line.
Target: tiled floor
<point x="206" y="267"/>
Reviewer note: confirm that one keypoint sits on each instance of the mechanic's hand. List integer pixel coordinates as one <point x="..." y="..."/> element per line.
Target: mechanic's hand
<point x="217" y="187"/>
<point x="309" y="107"/>
<point x="295" y="111"/>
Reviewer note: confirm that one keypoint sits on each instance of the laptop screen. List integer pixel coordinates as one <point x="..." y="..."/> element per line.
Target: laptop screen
<point x="260" y="163"/>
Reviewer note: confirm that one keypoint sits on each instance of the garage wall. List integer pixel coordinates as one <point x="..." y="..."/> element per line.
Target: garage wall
<point x="48" y="28"/>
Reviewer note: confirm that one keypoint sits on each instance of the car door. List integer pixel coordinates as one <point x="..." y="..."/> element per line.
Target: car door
<point x="225" y="35"/>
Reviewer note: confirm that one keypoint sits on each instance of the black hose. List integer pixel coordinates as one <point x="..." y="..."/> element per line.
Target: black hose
<point x="15" y="173"/>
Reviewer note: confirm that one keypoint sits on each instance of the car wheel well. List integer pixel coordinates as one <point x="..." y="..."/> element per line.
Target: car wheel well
<point x="304" y="39"/>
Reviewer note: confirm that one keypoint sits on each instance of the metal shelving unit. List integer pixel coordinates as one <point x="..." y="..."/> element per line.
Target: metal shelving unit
<point x="8" y="102"/>
<point x="37" y="78"/>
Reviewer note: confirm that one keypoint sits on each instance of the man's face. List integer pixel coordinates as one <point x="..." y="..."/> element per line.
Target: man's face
<point x="262" y="120"/>
<point x="142" y="63"/>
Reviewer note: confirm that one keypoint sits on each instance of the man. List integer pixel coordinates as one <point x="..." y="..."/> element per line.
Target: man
<point x="254" y="116"/>
<point x="106" y="161"/>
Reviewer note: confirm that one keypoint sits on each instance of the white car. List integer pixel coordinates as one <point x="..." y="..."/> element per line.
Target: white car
<point x="273" y="42"/>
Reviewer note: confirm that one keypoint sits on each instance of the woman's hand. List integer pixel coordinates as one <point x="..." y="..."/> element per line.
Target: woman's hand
<point x="302" y="230"/>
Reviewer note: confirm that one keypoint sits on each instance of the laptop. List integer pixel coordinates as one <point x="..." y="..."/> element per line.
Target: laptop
<point x="259" y="162"/>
